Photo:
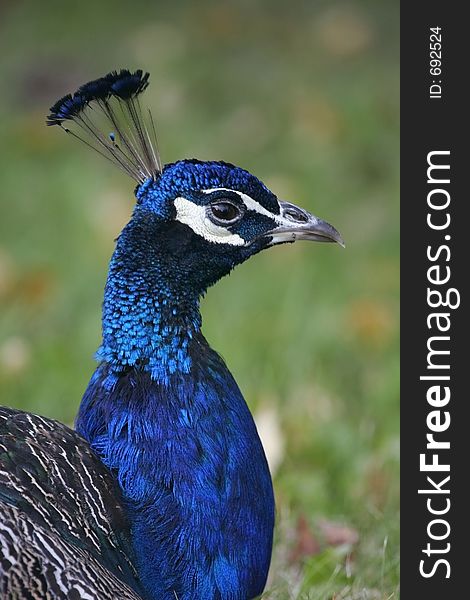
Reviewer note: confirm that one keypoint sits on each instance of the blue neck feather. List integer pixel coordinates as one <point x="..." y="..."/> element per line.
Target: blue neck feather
<point x="166" y="416"/>
<point x="149" y="318"/>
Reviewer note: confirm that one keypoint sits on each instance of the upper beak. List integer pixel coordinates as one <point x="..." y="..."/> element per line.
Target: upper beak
<point x="297" y="224"/>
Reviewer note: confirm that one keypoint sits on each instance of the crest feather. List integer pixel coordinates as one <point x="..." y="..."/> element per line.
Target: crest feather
<point x="107" y="116"/>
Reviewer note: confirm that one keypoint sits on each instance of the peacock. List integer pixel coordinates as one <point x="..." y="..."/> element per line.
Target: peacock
<point x="163" y="490"/>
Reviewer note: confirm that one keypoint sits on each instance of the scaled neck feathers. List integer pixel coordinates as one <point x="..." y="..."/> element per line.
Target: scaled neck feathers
<point x="151" y="306"/>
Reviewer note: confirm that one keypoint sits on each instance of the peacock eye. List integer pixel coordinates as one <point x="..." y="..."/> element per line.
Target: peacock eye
<point x="224" y="212"/>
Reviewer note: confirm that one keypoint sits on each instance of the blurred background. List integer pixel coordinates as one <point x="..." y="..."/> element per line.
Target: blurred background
<point x="305" y="95"/>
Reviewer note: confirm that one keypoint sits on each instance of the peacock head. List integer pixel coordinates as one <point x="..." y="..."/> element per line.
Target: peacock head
<point x="208" y="216"/>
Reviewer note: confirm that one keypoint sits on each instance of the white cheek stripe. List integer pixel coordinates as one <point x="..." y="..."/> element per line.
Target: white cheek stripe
<point x="194" y="216"/>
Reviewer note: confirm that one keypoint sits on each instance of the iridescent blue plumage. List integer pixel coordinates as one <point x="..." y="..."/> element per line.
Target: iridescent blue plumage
<point x="192" y="469"/>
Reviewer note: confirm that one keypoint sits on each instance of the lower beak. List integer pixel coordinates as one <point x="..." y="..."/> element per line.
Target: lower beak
<point x="297" y="224"/>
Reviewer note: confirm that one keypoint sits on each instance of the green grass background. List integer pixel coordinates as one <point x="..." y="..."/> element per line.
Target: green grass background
<point x="305" y="95"/>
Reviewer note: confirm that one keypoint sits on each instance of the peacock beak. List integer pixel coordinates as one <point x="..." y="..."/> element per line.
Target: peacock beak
<point x="295" y="223"/>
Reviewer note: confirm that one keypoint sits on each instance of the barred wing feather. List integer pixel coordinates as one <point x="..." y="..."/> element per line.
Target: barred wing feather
<point x="63" y="530"/>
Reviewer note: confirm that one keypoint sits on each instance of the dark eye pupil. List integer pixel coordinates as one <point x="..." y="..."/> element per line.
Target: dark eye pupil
<point x="225" y="211"/>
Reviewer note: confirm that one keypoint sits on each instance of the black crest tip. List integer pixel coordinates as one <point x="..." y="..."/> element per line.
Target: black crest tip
<point x="114" y="125"/>
<point x="97" y="89"/>
<point x="122" y="84"/>
<point x="66" y="108"/>
<point x="126" y="85"/>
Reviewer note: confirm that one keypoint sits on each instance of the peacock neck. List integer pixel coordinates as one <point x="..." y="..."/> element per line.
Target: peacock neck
<point x="150" y="309"/>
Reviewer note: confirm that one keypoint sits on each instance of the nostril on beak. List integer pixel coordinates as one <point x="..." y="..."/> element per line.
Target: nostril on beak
<point x="295" y="214"/>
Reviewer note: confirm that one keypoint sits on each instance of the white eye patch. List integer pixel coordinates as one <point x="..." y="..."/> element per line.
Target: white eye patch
<point x="194" y="216"/>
